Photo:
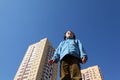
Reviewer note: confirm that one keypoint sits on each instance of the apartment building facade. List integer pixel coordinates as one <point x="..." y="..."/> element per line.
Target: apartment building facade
<point x="92" y="73"/>
<point x="34" y="65"/>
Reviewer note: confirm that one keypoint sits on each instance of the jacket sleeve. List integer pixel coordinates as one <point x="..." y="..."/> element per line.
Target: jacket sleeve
<point x="82" y="51"/>
<point x="56" y="55"/>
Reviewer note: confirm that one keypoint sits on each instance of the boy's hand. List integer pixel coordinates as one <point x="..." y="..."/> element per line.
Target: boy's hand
<point x="51" y="61"/>
<point x="84" y="60"/>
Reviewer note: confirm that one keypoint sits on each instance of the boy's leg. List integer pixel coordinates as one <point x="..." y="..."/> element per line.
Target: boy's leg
<point x="75" y="70"/>
<point x="64" y="71"/>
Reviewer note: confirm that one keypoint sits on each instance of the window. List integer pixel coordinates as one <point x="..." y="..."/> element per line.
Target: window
<point x="24" y="78"/>
<point x="18" y="78"/>
<point x="33" y="79"/>
<point x="19" y="75"/>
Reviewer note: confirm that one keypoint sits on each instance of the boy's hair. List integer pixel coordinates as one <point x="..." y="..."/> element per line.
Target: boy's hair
<point x="74" y="37"/>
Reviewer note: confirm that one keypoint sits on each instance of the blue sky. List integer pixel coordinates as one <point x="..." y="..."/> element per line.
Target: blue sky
<point x="95" y="23"/>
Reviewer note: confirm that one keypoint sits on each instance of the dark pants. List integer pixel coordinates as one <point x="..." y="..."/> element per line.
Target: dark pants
<point x="70" y="68"/>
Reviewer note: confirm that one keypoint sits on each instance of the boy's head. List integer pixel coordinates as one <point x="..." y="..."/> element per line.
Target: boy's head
<point x="69" y="34"/>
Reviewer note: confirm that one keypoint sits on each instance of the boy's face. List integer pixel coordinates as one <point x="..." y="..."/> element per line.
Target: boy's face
<point x="69" y="34"/>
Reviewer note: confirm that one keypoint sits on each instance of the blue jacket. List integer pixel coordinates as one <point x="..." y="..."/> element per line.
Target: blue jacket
<point x="69" y="46"/>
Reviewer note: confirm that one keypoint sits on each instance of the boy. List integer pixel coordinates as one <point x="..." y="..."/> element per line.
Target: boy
<point x="70" y="53"/>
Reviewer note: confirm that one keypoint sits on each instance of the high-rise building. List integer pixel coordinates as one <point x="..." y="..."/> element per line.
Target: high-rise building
<point x="34" y="65"/>
<point x="92" y="73"/>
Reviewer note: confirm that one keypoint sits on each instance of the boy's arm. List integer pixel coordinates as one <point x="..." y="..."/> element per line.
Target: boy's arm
<point x="83" y="54"/>
<point x="55" y="58"/>
<point x="56" y="55"/>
